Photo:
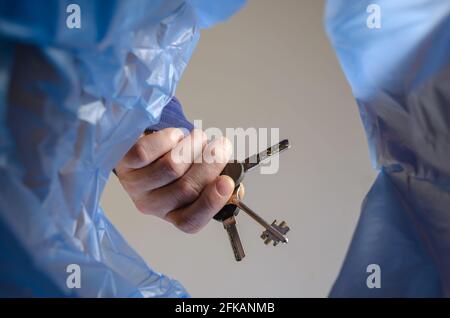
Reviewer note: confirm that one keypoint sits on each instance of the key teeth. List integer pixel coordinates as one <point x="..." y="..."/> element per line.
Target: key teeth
<point x="265" y="238"/>
<point x="283" y="228"/>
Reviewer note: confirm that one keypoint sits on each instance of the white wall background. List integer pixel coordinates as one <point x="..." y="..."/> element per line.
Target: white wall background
<point x="270" y="66"/>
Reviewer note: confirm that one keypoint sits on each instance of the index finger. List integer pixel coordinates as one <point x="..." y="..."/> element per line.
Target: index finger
<point x="150" y="147"/>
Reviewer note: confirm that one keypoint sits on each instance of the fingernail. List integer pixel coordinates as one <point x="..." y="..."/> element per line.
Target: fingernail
<point x="224" y="185"/>
<point x="218" y="151"/>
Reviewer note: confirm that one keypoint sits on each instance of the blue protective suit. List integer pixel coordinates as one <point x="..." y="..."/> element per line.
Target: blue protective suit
<point x="72" y="102"/>
<point x="400" y="76"/>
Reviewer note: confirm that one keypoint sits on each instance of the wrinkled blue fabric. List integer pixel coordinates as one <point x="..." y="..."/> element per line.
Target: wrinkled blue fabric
<point x="72" y="102"/>
<point x="400" y="77"/>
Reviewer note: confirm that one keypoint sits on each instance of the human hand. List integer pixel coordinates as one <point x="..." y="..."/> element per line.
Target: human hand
<point x="162" y="179"/>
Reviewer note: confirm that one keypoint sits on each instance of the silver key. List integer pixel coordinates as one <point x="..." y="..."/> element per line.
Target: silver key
<point x="237" y="171"/>
<point x="268" y="237"/>
<point x="230" y="226"/>
<point x="255" y="160"/>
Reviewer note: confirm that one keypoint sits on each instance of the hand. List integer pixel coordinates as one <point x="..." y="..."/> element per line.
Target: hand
<point x="184" y="193"/>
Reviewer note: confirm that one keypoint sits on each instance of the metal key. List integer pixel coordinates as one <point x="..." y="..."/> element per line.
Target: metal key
<point x="255" y="160"/>
<point x="273" y="232"/>
<point x="226" y="215"/>
<point x="268" y="237"/>
<point x="235" y="241"/>
<point x="236" y="170"/>
<point x="229" y="225"/>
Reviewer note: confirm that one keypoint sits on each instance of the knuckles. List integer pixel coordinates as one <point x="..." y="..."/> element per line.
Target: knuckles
<point x="139" y="151"/>
<point x="188" y="224"/>
<point x="187" y="190"/>
<point x="143" y="206"/>
<point x="170" y="168"/>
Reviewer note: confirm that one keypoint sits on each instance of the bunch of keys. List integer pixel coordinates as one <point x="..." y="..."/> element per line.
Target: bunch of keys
<point x="236" y="170"/>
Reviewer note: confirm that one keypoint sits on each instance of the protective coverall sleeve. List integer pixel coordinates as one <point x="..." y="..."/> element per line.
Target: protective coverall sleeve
<point x="396" y="56"/>
<point x="72" y="102"/>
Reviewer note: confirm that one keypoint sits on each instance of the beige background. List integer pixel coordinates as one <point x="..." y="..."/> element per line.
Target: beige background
<point x="270" y="66"/>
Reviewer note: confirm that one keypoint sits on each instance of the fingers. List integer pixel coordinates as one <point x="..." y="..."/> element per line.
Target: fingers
<point x="149" y="148"/>
<point x="189" y="187"/>
<point x="168" y="168"/>
<point x="195" y="216"/>
<point x="177" y="178"/>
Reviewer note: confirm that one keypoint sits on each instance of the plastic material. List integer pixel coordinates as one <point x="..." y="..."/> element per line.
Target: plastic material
<point x="72" y="102"/>
<point x="400" y="76"/>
